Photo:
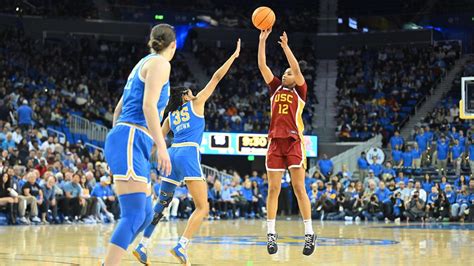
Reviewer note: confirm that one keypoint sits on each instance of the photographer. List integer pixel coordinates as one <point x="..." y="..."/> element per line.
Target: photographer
<point x="394" y="207"/>
<point x="373" y="209"/>
<point x="415" y="208"/>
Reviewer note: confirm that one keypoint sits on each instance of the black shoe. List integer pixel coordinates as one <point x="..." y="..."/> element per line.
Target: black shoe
<point x="272" y="246"/>
<point x="309" y="244"/>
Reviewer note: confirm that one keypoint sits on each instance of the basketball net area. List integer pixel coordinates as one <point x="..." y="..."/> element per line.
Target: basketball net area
<point x="466" y="105"/>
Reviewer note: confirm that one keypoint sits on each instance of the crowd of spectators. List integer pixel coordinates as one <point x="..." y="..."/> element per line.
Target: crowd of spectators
<point x="239" y="103"/>
<point x="77" y="76"/>
<point x="378" y="89"/>
<point x="387" y="192"/>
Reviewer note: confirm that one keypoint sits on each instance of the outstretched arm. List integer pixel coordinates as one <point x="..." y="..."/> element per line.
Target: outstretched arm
<point x="295" y="67"/>
<point x="262" y="59"/>
<point x="205" y="93"/>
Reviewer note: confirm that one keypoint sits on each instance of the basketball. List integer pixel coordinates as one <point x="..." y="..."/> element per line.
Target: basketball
<point x="263" y="18"/>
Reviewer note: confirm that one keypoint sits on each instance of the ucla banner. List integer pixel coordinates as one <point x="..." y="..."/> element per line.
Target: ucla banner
<point x="246" y="144"/>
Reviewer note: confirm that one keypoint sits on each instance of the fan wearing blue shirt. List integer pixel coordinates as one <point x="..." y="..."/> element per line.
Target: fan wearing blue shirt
<point x="407" y="158"/>
<point x="427" y="184"/>
<point x="443" y="152"/>
<point x="326" y="166"/>
<point x="416" y="153"/>
<point x="376" y="168"/>
<point x="461" y="205"/>
<point x="456" y="156"/>
<point x="450" y="194"/>
<point x="421" y="140"/>
<point x="471" y="155"/>
<point x="397" y="156"/>
<point x="105" y="197"/>
<point x="363" y="166"/>
<point x="396" y="140"/>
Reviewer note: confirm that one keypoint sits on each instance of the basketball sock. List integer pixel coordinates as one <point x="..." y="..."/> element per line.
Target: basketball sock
<point x="308" y="227"/>
<point x="271" y="226"/>
<point x="183" y="241"/>
<point x="145" y="241"/>
<point x="132" y="207"/>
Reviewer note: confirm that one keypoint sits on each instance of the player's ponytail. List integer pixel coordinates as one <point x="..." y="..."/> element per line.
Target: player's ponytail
<point x="161" y="36"/>
<point x="176" y="99"/>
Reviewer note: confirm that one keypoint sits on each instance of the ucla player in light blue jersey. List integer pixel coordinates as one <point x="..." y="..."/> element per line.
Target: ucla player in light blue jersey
<point x="186" y="120"/>
<point x="137" y="128"/>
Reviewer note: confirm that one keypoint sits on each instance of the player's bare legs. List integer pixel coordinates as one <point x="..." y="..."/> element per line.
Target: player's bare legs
<point x="274" y="187"/>
<point x="198" y="190"/>
<point x="297" y="181"/>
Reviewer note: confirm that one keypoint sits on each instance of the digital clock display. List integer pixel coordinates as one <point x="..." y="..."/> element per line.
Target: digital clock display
<point x="215" y="143"/>
<point x="252" y="143"/>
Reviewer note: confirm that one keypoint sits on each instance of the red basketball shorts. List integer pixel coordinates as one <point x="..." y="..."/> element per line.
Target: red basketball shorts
<point x="285" y="153"/>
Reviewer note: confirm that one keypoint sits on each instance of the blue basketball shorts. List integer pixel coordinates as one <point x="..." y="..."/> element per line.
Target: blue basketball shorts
<point x="128" y="151"/>
<point x="185" y="162"/>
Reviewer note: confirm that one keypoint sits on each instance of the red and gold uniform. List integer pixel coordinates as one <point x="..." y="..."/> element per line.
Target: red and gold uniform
<point x="286" y="148"/>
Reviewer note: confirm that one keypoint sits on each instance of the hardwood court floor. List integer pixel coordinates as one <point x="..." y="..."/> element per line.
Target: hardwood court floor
<point x="243" y="243"/>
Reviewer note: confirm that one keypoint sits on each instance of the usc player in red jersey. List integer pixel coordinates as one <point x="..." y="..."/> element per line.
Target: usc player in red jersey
<point x="286" y="149"/>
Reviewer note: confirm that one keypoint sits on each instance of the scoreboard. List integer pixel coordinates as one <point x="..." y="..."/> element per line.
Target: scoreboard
<point x="214" y="143"/>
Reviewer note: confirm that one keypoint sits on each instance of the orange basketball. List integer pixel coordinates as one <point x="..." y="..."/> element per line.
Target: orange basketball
<point x="263" y="18"/>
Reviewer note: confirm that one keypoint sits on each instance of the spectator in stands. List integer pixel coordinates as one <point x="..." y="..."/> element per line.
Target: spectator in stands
<point x="460" y="182"/>
<point x="471" y="201"/>
<point x="397" y="140"/>
<point x="105" y="197"/>
<point x="326" y="166"/>
<point x="415" y="208"/>
<point x="417" y="153"/>
<point x="34" y="197"/>
<point x="363" y="166"/>
<point x="402" y="178"/>
<point x="373" y="209"/>
<point x="376" y="167"/>
<point x="215" y="200"/>
<point x="437" y="207"/>
<point x="72" y="203"/>
<point x="8" y="197"/>
<point x="443" y="183"/>
<point x="371" y="178"/>
<point x="251" y="202"/>
<point x="90" y="212"/>
<point x="406" y="191"/>
<point x="388" y="174"/>
<point x="458" y="209"/>
<point x="427" y="184"/>
<point x="49" y="203"/>
<point x="407" y="158"/>
<point x="442" y="155"/>
<point x="8" y="144"/>
<point x="397" y="156"/>
<point x="422" y="193"/>
<point x="228" y="202"/>
<point x="25" y="116"/>
<point x="456" y="156"/>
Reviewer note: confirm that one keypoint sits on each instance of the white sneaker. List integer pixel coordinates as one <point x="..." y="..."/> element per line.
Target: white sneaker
<point x="357" y="219"/>
<point x="397" y="220"/>
<point x="23" y="220"/>
<point x="36" y="219"/>
<point x="348" y="218"/>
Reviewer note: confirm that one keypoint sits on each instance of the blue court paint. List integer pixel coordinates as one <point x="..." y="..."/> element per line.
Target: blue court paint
<point x="434" y="226"/>
<point x="290" y="240"/>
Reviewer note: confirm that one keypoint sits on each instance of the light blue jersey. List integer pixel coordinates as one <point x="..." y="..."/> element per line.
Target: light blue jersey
<point x="188" y="128"/>
<point x="128" y="145"/>
<point x="132" y="109"/>
<point x="186" y="125"/>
